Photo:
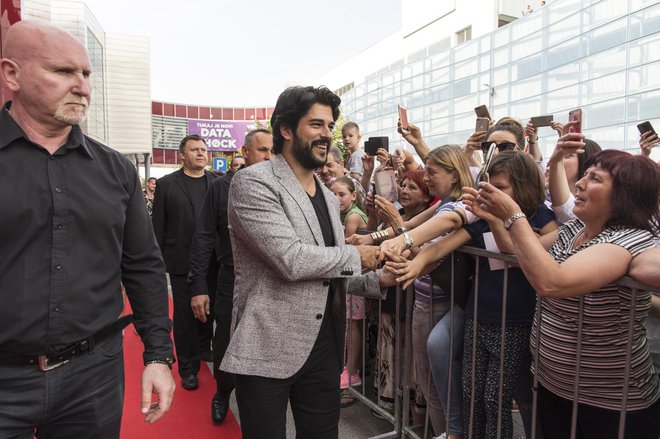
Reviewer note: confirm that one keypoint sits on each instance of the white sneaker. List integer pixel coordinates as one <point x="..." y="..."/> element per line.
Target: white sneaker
<point x="442" y="436"/>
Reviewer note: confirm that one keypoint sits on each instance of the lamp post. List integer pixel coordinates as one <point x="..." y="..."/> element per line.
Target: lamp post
<point x="491" y="93"/>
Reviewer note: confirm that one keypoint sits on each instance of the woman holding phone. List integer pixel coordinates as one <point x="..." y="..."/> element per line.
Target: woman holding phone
<point x="573" y="271"/>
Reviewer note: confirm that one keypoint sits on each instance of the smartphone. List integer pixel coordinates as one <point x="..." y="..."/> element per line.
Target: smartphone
<point x="644" y="127"/>
<point x="482" y="124"/>
<point x="575" y="115"/>
<point x="542" y="121"/>
<point x="403" y="116"/>
<point x="373" y="143"/>
<point x="483" y="172"/>
<point x="482" y="111"/>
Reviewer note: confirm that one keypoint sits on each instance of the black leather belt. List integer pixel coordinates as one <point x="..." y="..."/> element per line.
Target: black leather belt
<point x="51" y="361"/>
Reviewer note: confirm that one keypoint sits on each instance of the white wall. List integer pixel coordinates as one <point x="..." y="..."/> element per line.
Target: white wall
<point x="128" y="93"/>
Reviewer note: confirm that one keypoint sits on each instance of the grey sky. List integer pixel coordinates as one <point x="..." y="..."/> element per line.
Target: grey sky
<point x="244" y="53"/>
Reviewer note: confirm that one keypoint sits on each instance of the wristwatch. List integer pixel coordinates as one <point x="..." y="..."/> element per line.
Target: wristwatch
<point x="400" y="230"/>
<point x="512" y="219"/>
<point x="407" y="239"/>
<point x="167" y="361"/>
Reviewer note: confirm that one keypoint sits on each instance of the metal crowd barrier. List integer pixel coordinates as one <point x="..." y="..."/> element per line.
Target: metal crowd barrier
<point x="403" y="364"/>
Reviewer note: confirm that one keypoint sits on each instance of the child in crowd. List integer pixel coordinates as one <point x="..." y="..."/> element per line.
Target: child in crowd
<point x="350" y="134"/>
<point x="353" y="220"/>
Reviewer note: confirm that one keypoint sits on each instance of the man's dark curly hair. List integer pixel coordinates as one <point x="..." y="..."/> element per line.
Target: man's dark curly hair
<point x="293" y="104"/>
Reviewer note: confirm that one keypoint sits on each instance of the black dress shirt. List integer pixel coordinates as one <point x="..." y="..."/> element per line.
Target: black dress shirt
<point x="73" y="224"/>
<point x="211" y="233"/>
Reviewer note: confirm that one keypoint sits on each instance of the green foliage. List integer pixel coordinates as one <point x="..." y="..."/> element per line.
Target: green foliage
<point x="267" y="126"/>
<point x="336" y="136"/>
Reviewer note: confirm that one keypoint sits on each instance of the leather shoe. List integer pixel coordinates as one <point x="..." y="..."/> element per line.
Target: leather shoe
<point x="220" y="406"/>
<point x="189" y="382"/>
<point x="207" y="356"/>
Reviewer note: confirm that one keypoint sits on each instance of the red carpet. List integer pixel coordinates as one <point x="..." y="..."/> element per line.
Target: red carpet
<point x="190" y="414"/>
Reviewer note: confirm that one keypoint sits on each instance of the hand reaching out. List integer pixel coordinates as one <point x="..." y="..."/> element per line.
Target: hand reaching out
<point x="647" y="141"/>
<point x="405" y="271"/>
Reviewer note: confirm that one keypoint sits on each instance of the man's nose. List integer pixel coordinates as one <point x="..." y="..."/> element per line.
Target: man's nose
<point x="82" y="86"/>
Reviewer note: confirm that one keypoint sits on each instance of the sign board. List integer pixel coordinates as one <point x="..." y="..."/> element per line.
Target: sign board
<point x="221" y="135"/>
<point x="220" y="164"/>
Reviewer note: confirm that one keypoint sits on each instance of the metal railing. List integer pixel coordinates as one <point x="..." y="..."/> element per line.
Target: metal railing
<point x="403" y="364"/>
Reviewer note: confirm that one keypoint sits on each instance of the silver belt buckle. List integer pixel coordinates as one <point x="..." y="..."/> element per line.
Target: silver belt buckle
<point x="45" y="365"/>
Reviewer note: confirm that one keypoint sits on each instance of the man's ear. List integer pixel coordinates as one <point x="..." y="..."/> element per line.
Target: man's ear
<point x="10" y="74"/>
<point x="286" y="132"/>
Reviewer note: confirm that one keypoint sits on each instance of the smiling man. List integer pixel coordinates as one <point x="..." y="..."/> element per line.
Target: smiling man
<point x="292" y="274"/>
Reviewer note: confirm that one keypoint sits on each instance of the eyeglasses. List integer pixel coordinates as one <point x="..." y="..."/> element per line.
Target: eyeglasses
<point x="504" y="146"/>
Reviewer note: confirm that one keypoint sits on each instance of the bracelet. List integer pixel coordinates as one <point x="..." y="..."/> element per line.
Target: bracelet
<point x="380" y="236"/>
<point x="512" y="219"/>
<point x="166" y="361"/>
<point x="407" y="239"/>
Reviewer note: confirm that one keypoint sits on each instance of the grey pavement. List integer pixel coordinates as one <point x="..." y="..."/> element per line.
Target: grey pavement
<point x="357" y="422"/>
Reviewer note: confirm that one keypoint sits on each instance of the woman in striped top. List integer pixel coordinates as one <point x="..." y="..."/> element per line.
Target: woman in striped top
<point x="582" y="316"/>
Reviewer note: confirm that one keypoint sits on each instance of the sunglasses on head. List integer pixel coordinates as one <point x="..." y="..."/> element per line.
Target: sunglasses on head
<point x="504" y="146"/>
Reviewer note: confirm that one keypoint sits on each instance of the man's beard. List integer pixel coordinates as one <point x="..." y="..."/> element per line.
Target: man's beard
<point x="304" y="152"/>
<point x="72" y="115"/>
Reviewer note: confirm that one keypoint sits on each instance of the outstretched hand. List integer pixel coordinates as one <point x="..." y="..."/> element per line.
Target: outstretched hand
<point x="490" y="202"/>
<point x="404" y="270"/>
<point x="359" y="240"/>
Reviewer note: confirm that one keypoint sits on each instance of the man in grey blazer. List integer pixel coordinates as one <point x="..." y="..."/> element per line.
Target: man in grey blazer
<point x="292" y="274"/>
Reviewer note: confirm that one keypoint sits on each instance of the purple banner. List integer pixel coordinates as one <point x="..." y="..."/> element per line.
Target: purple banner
<point x="221" y="135"/>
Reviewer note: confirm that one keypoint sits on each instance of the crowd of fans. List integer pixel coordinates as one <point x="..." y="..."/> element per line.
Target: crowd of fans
<point x="577" y="222"/>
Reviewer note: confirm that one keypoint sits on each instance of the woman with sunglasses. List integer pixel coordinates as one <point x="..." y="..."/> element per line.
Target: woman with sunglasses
<point x="583" y="328"/>
<point x="516" y="174"/>
<point x="507" y="137"/>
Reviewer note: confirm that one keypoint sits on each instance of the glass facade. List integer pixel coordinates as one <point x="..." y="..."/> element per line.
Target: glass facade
<point x="96" y="116"/>
<point x="593" y="54"/>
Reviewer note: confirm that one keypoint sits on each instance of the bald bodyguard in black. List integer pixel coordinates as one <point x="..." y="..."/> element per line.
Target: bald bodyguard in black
<point x="73" y="226"/>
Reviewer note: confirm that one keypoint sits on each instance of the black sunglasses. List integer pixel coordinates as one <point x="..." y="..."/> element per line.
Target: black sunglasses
<point x="504" y="146"/>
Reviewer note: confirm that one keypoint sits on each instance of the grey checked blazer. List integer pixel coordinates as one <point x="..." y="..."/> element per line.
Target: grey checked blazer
<point x="283" y="271"/>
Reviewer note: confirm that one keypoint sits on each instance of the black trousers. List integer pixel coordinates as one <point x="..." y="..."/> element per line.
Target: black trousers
<point x="555" y="414"/>
<point x="187" y="329"/>
<point x="206" y="340"/>
<point x="313" y="393"/>
<point x="222" y="311"/>
<point x="83" y="398"/>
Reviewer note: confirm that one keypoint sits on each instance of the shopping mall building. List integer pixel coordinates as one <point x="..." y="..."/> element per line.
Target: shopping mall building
<point x="445" y="60"/>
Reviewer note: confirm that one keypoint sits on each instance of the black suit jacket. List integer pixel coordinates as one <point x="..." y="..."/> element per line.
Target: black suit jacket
<point x="174" y="220"/>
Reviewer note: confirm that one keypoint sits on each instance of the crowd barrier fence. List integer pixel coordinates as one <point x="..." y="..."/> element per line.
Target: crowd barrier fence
<point x="403" y="364"/>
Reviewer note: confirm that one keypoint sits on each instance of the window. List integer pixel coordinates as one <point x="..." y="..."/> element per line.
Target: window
<point x="464" y="35"/>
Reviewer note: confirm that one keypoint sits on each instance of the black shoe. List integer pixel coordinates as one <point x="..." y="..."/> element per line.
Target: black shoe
<point x="220" y="406"/>
<point x="189" y="382"/>
<point x="207" y="356"/>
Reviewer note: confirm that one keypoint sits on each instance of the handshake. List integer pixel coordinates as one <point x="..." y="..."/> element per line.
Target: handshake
<point x="371" y="255"/>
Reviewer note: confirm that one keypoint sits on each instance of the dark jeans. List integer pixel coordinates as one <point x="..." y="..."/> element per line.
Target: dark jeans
<point x="555" y="414"/>
<point x="206" y="339"/>
<point x="222" y="310"/>
<point x="313" y="392"/>
<point x="187" y="329"/>
<point x="82" y="398"/>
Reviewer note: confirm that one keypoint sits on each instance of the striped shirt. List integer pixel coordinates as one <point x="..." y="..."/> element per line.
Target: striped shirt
<point x="606" y="316"/>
